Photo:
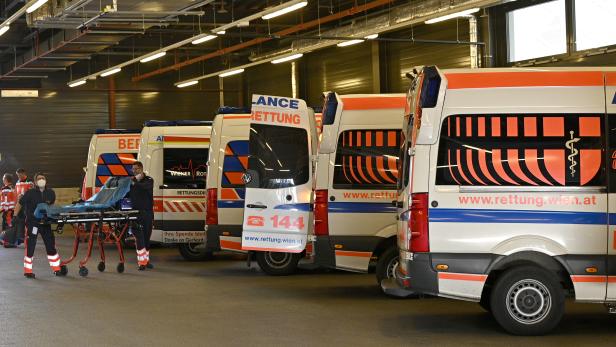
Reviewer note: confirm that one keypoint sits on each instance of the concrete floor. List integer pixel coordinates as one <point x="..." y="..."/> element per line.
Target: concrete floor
<point x="221" y="302"/>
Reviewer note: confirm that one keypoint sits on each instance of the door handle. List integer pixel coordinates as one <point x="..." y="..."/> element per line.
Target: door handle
<point x="398" y="204"/>
<point x="256" y="206"/>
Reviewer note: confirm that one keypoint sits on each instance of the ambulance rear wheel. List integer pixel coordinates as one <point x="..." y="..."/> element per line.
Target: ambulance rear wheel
<point x="387" y="265"/>
<point x="278" y="263"/>
<point x="194" y="252"/>
<point x="528" y="301"/>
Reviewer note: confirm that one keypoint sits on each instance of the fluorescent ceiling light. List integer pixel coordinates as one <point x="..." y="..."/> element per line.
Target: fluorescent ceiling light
<point x="285" y="10"/>
<point x="187" y="84"/>
<point x="35" y="6"/>
<point x="288" y="58"/>
<point x="350" y="42"/>
<point x="4" y="29"/>
<point x="453" y="15"/>
<point x="77" y="84"/>
<point x="222" y="32"/>
<point x="231" y="73"/>
<point x="153" y="57"/>
<point x="111" y="72"/>
<point x="204" y="39"/>
<point x="372" y="37"/>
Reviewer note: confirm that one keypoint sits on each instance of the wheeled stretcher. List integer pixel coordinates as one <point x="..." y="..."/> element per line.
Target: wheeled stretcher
<point x="106" y="217"/>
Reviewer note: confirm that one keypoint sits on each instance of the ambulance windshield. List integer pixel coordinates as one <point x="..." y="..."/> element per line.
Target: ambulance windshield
<point x="279" y="156"/>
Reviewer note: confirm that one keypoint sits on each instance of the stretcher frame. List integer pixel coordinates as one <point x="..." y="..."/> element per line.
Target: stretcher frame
<point x="118" y="223"/>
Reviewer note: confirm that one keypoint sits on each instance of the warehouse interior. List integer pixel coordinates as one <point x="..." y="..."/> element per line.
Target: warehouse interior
<point x="68" y="67"/>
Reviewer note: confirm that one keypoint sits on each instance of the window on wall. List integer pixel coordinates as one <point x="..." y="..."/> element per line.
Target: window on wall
<point x="594" y="23"/>
<point x="537" y="31"/>
<point x="522" y="150"/>
<point x="367" y="159"/>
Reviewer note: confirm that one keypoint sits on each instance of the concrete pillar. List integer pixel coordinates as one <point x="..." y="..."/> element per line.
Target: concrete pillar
<point x="221" y="92"/>
<point x="376" y="67"/>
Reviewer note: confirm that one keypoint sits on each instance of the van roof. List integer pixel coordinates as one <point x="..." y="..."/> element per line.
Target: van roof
<point x="233" y="110"/>
<point x="117" y="131"/>
<point x="178" y="123"/>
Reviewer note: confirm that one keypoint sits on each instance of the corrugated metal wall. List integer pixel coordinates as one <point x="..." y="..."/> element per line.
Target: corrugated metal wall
<point x="270" y="79"/>
<point x="331" y="69"/>
<point x="398" y="58"/>
<point x="50" y="133"/>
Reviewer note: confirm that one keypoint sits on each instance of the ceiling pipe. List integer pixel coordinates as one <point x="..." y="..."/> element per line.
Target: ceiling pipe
<point x="300" y="27"/>
<point x="398" y="18"/>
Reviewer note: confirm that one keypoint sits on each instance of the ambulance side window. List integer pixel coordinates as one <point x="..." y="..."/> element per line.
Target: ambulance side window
<point x="522" y="150"/>
<point x="235" y="164"/>
<point x="114" y="165"/>
<point x="367" y="159"/>
<point x="184" y="168"/>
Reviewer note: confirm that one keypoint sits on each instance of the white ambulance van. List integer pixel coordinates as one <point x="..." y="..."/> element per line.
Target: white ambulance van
<point x="507" y="193"/>
<point x="174" y="154"/>
<point x="228" y="160"/>
<point x="279" y="182"/>
<point x="356" y="176"/>
<point x="355" y="182"/>
<point x="227" y="163"/>
<point x="112" y="152"/>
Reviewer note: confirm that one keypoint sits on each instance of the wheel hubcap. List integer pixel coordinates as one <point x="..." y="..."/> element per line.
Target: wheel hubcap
<point x="277" y="259"/>
<point x="528" y="301"/>
<point x="392" y="267"/>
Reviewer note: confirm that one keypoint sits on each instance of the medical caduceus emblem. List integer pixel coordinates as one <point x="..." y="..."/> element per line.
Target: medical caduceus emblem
<point x="571" y="157"/>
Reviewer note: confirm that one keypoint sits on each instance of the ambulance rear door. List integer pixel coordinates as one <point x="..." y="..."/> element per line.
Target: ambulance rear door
<point x="184" y="168"/>
<point x="279" y="179"/>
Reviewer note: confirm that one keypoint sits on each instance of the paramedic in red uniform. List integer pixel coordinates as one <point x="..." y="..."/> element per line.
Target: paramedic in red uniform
<point x="142" y="199"/>
<point x="7" y="205"/>
<point x="35" y="226"/>
<point x="22" y="185"/>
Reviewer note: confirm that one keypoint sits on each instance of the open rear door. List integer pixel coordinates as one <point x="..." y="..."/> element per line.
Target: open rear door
<point x="279" y="179"/>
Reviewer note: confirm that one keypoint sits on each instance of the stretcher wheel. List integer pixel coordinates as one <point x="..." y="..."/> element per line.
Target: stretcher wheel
<point x="101" y="266"/>
<point x="120" y="267"/>
<point x="63" y="270"/>
<point x="83" y="271"/>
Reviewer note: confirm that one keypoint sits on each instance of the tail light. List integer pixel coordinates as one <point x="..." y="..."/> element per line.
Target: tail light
<point x="321" y="227"/>
<point x="211" y="217"/>
<point x="418" y="223"/>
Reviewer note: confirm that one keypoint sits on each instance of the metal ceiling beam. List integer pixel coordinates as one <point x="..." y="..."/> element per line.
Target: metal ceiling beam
<point x="300" y="27"/>
<point x="139" y="13"/>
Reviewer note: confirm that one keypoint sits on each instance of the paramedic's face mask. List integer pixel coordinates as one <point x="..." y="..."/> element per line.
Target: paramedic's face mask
<point x="41" y="182"/>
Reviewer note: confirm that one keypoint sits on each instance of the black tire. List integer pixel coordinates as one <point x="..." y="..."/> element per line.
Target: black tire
<point x="190" y="252"/>
<point x="120" y="267"/>
<point x="528" y="301"/>
<point x="101" y="266"/>
<point x="83" y="272"/>
<point x="278" y="263"/>
<point x="387" y="264"/>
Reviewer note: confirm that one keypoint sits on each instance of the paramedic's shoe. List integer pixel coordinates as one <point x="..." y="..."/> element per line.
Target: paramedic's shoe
<point x="141" y="268"/>
<point x="29" y="275"/>
<point x="149" y="265"/>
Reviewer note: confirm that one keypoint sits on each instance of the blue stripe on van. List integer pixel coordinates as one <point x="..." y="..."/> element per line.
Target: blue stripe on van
<point x="451" y="215"/>
<point x="304" y="207"/>
<point x="230" y="203"/>
<point x="361" y="207"/>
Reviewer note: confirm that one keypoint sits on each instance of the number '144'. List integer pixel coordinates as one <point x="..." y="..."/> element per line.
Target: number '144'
<point x="287" y="222"/>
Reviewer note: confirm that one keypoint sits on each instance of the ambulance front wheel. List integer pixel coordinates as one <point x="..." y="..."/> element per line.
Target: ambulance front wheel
<point x="528" y="301"/>
<point x="387" y="265"/>
<point x="278" y="263"/>
<point x="194" y="251"/>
